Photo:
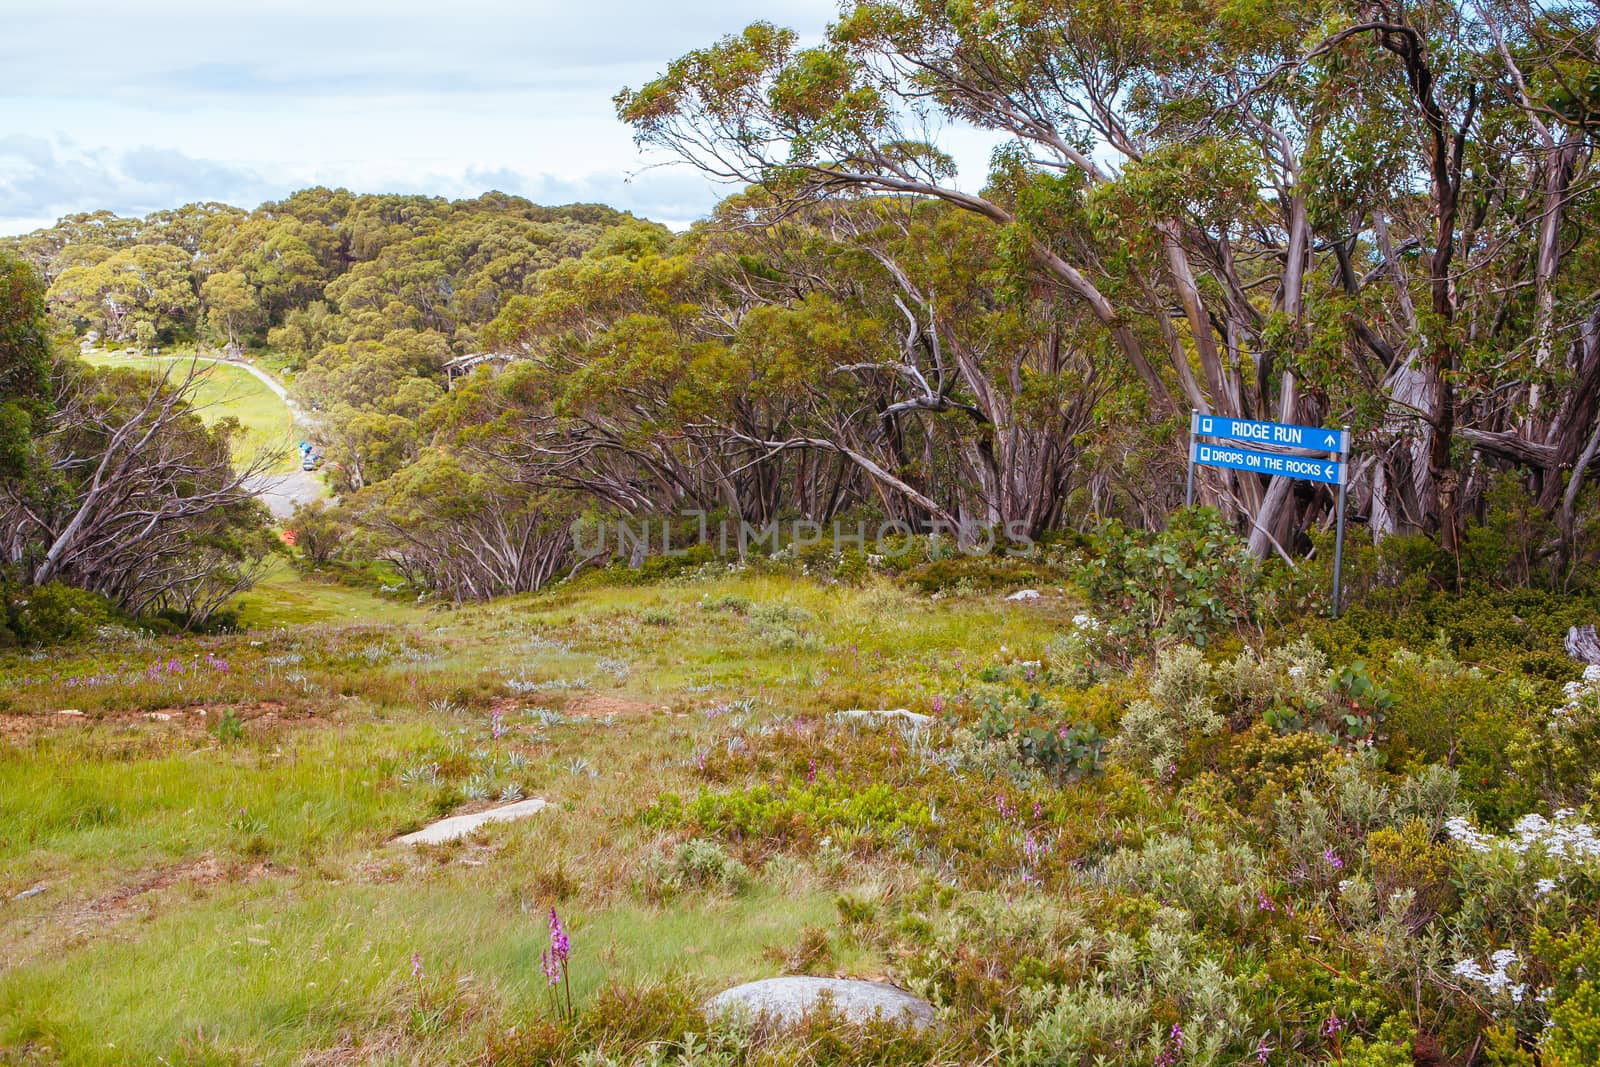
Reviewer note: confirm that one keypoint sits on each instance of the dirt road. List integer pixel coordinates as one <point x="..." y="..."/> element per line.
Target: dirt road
<point x="282" y="493"/>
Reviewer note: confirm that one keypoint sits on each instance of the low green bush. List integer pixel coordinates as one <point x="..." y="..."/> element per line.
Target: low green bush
<point x="1192" y="581"/>
<point x="54" y="614"/>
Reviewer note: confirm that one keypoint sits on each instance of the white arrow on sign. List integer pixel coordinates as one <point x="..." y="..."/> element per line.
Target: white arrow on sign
<point x="1331" y="440"/>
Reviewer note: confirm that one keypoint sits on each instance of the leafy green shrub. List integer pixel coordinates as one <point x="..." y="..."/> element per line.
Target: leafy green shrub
<point x="1436" y="697"/>
<point x="1520" y="632"/>
<point x="1408" y="858"/>
<point x="976" y="574"/>
<point x="1062" y="750"/>
<point x="228" y="728"/>
<point x="1559" y="752"/>
<point x="1154" y="733"/>
<point x="1366" y="704"/>
<point x="1573" y="958"/>
<point x="784" y="626"/>
<point x="706" y="864"/>
<point x="657" y="566"/>
<point x="732" y="603"/>
<point x="1191" y="581"/>
<point x="55" y="614"/>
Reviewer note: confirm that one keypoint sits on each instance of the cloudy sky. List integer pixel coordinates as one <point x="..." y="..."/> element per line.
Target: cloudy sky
<point x="138" y="106"/>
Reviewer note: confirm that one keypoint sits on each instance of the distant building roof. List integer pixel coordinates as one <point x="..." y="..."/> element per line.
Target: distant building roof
<point x="459" y="365"/>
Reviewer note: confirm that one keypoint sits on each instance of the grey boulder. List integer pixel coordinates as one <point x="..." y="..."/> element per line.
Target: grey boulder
<point x="784" y="1001"/>
<point x="462" y="825"/>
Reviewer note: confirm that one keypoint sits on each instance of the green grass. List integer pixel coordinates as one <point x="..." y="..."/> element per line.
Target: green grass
<point x="283" y="597"/>
<point x="213" y="896"/>
<point x="267" y="970"/>
<point x="306" y="933"/>
<point x="225" y="390"/>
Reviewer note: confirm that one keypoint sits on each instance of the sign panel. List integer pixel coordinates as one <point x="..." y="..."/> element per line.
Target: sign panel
<point x="1307" y="468"/>
<point x="1272" y="433"/>
<point x="1278" y="463"/>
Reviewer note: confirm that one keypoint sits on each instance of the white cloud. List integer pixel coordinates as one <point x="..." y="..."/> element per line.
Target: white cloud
<point x="133" y="107"/>
<point x="44" y="178"/>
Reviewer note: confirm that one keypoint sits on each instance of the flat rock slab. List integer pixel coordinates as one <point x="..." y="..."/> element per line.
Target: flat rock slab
<point x="878" y="715"/>
<point x="786" y="1001"/>
<point x="462" y="825"/>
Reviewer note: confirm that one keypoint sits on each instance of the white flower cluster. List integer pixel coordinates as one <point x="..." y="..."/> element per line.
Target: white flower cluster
<point x="1578" y="692"/>
<point x="1081" y="621"/>
<point x="1561" y="837"/>
<point x="1496" y="981"/>
<point x="1466" y="834"/>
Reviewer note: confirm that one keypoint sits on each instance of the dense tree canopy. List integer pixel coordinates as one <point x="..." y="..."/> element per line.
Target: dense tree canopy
<point x="1358" y="214"/>
<point x="24" y="363"/>
<point x="109" y="480"/>
<point x="1367" y="214"/>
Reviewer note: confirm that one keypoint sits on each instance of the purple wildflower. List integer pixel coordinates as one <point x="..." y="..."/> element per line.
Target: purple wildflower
<point x="497" y="727"/>
<point x="938" y="704"/>
<point x="1264" y="902"/>
<point x="560" y="944"/>
<point x="1332" y="858"/>
<point x="416" y="966"/>
<point x="1263" y="1050"/>
<point x="1332" y="1025"/>
<point x="1174" y="1048"/>
<point x="554" y="960"/>
<point x="811" y="772"/>
<point x="1033" y="849"/>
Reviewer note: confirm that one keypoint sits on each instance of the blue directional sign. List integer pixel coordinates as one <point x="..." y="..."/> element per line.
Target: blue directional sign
<point x="1279" y="434"/>
<point x="1287" y="458"/>
<point x="1307" y="468"/>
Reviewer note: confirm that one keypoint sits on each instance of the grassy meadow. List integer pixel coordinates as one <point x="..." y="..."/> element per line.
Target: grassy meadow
<point x="219" y="880"/>
<point x="1091" y="855"/>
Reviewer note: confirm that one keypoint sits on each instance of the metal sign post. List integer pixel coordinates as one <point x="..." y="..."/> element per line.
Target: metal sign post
<point x="1308" y="453"/>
